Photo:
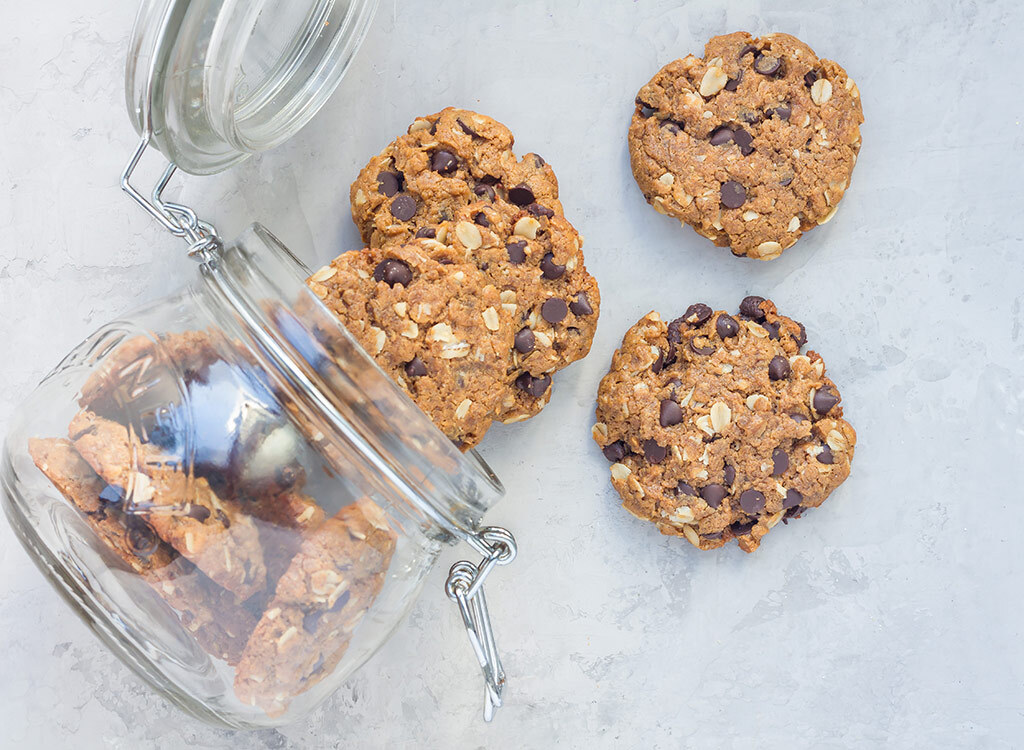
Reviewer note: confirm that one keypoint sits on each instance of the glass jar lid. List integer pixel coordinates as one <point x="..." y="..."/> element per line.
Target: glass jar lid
<point x="223" y="79"/>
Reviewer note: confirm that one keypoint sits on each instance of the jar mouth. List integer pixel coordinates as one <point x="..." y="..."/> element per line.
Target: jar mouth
<point x="340" y="390"/>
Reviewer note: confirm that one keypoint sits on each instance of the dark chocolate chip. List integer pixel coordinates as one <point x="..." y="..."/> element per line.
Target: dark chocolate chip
<point x="536" y="387"/>
<point x="747" y="49"/>
<point x="797" y="417"/>
<point x="713" y="536"/>
<point x="223" y="518"/>
<point x="810" y="77"/>
<point x="684" y="489"/>
<point x="482" y="190"/>
<point x="392" y="272"/>
<point x="615" y="451"/>
<point x="538" y="210"/>
<point x="549" y="268"/>
<point x="786" y="180"/>
<point x="521" y="195"/>
<point x="704" y="351"/>
<point x="772" y="328"/>
<point x="659" y="363"/>
<point x="653" y="452"/>
<point x="783" y="111"/>
<point x="112" y="494"/>
<point x="646" y="110"/>
<point x="538" y="161"/>
<point x="428" y="232"/>
<point x="792" y="499"/>
<point x="778" y="368"/>
<point x="751" y="308"/>
<point x="581" y="305"/>
<point x="801" y="338"/>
<point x="675" y="128"/>
<point x="403" y="207"/>
<point x="466" y="129"/>
<point x="340" y="602"/>
<point x="525" y="341"/>
<point x="443" y="162"/>
<point x="198" y="512"/>
<point x="767" y="65"/>
<point x="726" y="326"/>
<point x="743" y="139"/>
<point x="489" y="179"/>
<point x="825" y="457"/>
<point x="720" y="136"/>
<point x="516" y="251"/>
<point x="733" y="83"/>
<point x="389" y="183"/>
<point x="780" y="462"/>
<point x="824" y="400"/>
<point x="481" y="219"/>
<point x="713" y="494"/>
<point x="554" y="310"/>
<point x="733" y="194"/>
<point x="729" y="475"/>
<point x="415" y="368"/>
<point x="311" y="619"/>
<point x="749" y="116"/>
<point x="141" y="538"/>
<point x="697" y="314"/>
<point x="742" y="527"/>
<point x="752" y="501"/>
<point x="671" y="414"/>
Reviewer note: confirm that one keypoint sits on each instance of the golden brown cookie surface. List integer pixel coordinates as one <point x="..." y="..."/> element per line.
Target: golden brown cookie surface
<point x="751" y="145"/>
<point x="717" y="426"/>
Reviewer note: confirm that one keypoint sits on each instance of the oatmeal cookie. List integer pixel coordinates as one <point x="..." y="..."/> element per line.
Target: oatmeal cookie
<point x="752" y="145"/>
<point x="717" y="427"/>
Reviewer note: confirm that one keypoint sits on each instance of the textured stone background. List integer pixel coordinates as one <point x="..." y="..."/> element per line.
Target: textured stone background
<point x="892" y="616"/>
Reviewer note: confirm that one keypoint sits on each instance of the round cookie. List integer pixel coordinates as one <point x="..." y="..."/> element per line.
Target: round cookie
<point x="438" y="329"/>
<point x="752" y="145"/>
<point x="454" y="182"/>
<point x="717" y="427"/>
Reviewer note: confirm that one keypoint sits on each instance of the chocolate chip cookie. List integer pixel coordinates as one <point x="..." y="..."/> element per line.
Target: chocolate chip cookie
<point x="454" y="182"/>
<point x="440" y="329"/>
<point x="752" y="145"/>
<point x="717" y="427"/>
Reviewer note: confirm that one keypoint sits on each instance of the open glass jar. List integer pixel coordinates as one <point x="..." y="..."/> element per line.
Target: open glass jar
<point x="223" y="484"/>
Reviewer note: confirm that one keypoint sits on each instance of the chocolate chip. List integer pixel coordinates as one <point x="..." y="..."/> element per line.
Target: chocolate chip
<point x="615" y="451"/>
<point x="720" y="136"/>
<point x="389" y="183"/>
<point x="443" y="162"/>
<point x="482" y="190"/>
<point x="733" y="194"/>
<point x="824" y="400"/>
<point x="581" y="305"/>
<point x="801" y="338"/>
<point x="713" y="494"/>
<point x="481" y="219"/>
<point x="415" y="368"/>
<point x="549" y="268"/>
<point x="810" y="77"/>
<point x="783" y="111"/>
<point x="747" y="49"/>
<point x="428" y="232"/>
<point x="675" y="128"/>
<point x="112" y="494"/>
<point x="198" y="512"/>
<point x="793" y="499"/>
<point x="659" y="363"/>
<point x="733" y="83"/>
<point x="538" y="210"/>
<point x="749" y="116"/>
<point x="772" y="328"/>
<point x="704" y="351"/>
<point x="797" y="417"/>
<point x="466" y="129"/>
<point x="729" y="475"/>
<point x="538" y="161"/>
<point x="646" y="110"/>
<point x="653" y="452"/>
<point x="310" y="620"/>
<point x="525" y="341"/>
<point x="521" y="195"/>
<point x="752" y="501"/>
<point x="141" y="538"/>
<point x="786" y="180"/>
<point x="536" y="387"/>
<point x="697" y="314"/>
<point x="780" y="462"/>
<point x="223" y="518"/>
<point x="825" y="457"/>
<point x="751" y="308"/>
<point x="671" y="414"/>
<point x="403" y="207"/>
<point x="684" y="489"/>
<point x="778" y="368"/>
<point x="554" y="310"/>
<point x="726" y="326"/>
<point x="742" y="527"/>
<point x="713" y="536"/>
<point x="743" y="139"/>
<point x="516" y="251"/>
<point x="392" y="272"/>
<point x="767" y="65"/>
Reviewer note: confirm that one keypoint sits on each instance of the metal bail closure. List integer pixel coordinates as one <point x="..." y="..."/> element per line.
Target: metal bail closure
<point x="465" y="587"/>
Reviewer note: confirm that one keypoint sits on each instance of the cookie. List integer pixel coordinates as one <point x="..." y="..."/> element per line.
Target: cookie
<point x="454" y="182"/>
<point x="319" y="602"/>
<point x="439" y="330"/>
<point x="216" y="534"/>
<point x="717" y="427"/>
<point x="752" y="145"/>
<point x="220" y="626"/>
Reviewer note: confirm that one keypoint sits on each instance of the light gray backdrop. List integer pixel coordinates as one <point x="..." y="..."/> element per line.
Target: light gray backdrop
<point x="891" y="616"/>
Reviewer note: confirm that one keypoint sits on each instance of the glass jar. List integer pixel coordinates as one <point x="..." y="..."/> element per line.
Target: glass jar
<point x="224" y="485"/>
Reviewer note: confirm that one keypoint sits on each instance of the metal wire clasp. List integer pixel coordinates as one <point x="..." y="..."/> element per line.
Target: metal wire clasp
<point x="465" y="587"/>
